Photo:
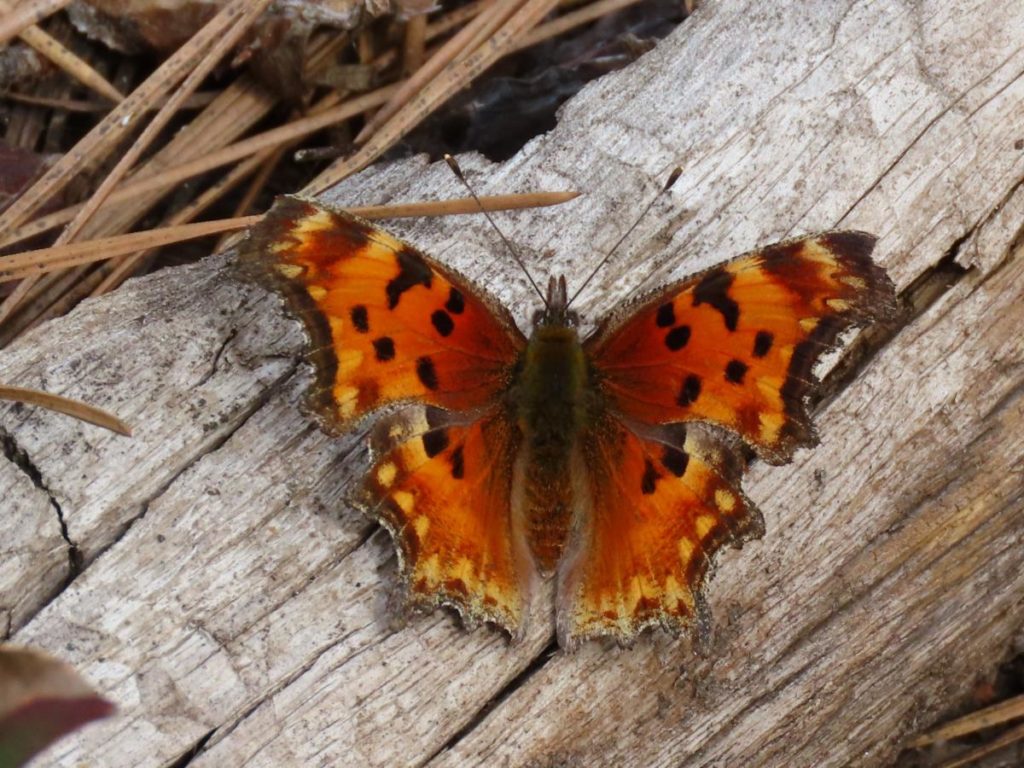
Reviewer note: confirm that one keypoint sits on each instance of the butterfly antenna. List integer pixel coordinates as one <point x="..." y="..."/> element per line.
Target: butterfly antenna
<point x="673" y="177"/>
<point x="453" y="164"/>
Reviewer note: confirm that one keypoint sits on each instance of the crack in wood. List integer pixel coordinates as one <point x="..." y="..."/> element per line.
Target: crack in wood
<point x="536" y="665"/>
<point x="226" y="728"/>
<point x="193" y="751"/>
<point x="245" y="414"/>
<point x="217" y="357"/>
<point x="20" y="458"/>
<point x="314" y="576"/>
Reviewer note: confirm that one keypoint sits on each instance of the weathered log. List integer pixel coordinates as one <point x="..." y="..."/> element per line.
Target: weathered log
<point x="226" y="589"/>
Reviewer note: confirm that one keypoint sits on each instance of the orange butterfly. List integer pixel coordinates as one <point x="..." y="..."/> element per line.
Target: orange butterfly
<point x="601" y="462"/>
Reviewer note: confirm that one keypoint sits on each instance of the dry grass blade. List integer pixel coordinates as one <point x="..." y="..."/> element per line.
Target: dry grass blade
<point x="65" y="59"/>
<point x="168" y="177"/>
<point x="455" y="76"/>
<point x="95" y="144"/>
<point x="25" y="14"/>
<point x="571" y="20"/>
<point x="105" y="134"/>
<point x="483" y="25"/>
<point x="415" y="43"/>
<point x="44" y="260"/>
<point x="108" y="132"/>
<point x="236" y="16"/>
<point x="442" y="26"/>
<point x="38" y="262"/>
<point x="464" y="205"/>
<point x="74" y="408"/>
<point x="1004" y="740"/>
<point x="123" y="268"/>
<point x="67" y="105"/>
<point x="453" y="19"/>
<point x="997" y="714"/>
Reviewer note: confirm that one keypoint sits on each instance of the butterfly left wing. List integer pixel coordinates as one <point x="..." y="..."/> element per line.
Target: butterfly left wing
<point x="735" y="346"/>
<point x="654" y="510"/>
<point x="443" y="488"/>
<point x="388" y="324"/>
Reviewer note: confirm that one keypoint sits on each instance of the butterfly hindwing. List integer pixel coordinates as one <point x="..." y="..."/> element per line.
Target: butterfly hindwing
<point x="735" y="345"/>
<point x="444" y="490"/>
<point x="654" y="512"/>
<point x="388" y="324"/>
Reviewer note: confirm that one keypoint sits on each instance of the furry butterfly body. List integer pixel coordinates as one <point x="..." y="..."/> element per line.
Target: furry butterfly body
<point x="610" y="463"/>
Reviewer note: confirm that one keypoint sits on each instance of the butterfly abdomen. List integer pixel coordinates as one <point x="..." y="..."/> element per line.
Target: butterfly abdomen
<point x="549" y="396"/>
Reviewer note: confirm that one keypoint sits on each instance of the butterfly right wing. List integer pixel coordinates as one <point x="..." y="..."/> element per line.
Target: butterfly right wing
<point x="444" y="489"/>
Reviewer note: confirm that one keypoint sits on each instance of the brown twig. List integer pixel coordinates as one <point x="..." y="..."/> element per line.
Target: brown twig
<point x="233" y="152"/>
<point x="1003" y="740"/>
<point x="65" y="59"/>
<point x="453" y="77"/>
<point x="483" y="24"/>
<point x="414" y="43"/>
<point x="997" y="714"/>
<point x="74" y="408"/>
<point x="25" y="14"/>
<point x="43" y="260"/>
<point x="238" y="15"/>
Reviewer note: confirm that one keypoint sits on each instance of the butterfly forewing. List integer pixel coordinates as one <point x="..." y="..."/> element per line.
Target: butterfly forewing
<point x="735" y="346"/>
<point x="387" y="323"/>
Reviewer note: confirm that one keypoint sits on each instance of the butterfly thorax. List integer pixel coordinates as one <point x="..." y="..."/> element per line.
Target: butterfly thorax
<point x="550" y="396"/>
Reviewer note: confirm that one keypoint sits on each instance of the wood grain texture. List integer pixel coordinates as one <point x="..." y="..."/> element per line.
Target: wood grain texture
<point x="34" y="560"/>
<point x="228" y="591"/>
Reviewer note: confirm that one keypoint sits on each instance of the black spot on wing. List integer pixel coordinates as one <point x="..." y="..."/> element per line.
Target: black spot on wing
<point x="384" y="348"/>
<point x="675" y="460"/>
<point x="690" y="390"/>
<point x="763" y="343"/>
<point x="360" y="318"/>
<point x="650" y="478"/>
<point x="666" y="315"/>
<point x="412" y="271"/>
<point x="677" y="338"/>
<point x="455" y="303"/>
<point x="426" y="373"/>
<point x="442" y="322"/>
<point x="713" y="289"/>
<point x="458" y="466"/>
<point x="434" y="442"/>
<point x="735" y="371"/>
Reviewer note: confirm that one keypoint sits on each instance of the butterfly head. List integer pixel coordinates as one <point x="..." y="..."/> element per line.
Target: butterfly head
<point x="556" y="306"/>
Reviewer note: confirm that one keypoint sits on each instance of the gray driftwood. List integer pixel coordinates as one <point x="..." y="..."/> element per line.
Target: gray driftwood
<point x="222" y="593"/>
